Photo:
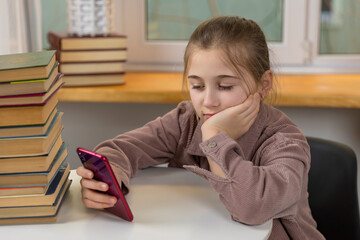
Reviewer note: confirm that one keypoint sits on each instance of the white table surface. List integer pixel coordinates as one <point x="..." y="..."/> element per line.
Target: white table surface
<point x="167" y="203"/>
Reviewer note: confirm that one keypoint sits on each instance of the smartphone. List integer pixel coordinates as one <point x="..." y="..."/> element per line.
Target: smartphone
<point x="100" y="166"/>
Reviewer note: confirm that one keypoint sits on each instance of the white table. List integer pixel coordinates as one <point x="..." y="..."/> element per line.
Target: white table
<point x="167" y="204"/>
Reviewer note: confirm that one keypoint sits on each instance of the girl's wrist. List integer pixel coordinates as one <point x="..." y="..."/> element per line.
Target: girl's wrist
<point x="208" y="133"/>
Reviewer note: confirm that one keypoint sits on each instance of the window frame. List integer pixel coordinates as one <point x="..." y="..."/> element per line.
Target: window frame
<point x="168" y="55"/>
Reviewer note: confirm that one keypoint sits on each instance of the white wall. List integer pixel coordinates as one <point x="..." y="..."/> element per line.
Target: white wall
<point x="87" y="124"/>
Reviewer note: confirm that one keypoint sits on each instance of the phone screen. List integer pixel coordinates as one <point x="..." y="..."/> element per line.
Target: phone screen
<point x="100" y="166"/>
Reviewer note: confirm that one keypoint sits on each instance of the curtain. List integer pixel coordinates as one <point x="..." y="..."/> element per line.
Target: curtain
<point x="20" y="26"/>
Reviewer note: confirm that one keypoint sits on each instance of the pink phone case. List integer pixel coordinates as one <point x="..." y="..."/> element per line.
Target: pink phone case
<point x="103" y="172"/>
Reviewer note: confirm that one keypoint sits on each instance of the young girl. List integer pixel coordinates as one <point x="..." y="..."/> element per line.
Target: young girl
<point x="253" y="156"/>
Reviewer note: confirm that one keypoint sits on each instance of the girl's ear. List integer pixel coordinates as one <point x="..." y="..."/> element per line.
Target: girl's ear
<point x="266" y="83"/>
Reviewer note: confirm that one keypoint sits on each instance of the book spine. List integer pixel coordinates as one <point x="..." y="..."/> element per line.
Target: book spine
<point x="54" y="41"/>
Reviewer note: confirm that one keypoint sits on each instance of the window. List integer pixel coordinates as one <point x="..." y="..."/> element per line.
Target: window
<point x="305" y="36"/>
<point x="159" y="37"/>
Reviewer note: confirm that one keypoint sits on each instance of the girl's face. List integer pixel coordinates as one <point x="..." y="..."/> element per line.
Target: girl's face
<point x="213" y="85"/>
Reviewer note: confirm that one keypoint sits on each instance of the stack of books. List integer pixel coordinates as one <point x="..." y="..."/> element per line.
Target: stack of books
<point x="86" y="61"/>
<point x="33" y="171"/>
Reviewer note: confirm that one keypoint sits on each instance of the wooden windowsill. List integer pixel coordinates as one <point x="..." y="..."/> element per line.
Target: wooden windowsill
<point x="325" y="90"/>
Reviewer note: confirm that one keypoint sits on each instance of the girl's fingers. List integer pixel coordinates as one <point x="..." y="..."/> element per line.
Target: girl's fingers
<point x="84" y="172"/>
<point x="94" y="185"/>
<point x="94" y="199"/>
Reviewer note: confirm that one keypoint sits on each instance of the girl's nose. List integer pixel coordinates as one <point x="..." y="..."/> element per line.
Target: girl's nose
<point x="211" y="99"/>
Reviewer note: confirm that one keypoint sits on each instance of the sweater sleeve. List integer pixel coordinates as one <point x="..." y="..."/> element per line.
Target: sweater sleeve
<point x="256" y="194"/>
<point x="154" y="143"/>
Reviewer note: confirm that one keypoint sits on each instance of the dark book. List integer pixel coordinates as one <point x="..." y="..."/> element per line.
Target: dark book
<point x="47" y="198"/>
<point x="37" y="163"/>
<point x="64" y="41"/>
<point x="93" y="79"/>
<point x="28" y="130"/>
<point x="91" y="68"/>
<point x="29" y="86"/>
<point x="31" y="145"/>
<point x="34" y="214"/>
<point x="25" y="66"/>
<point x="91" y="56"/>
<point x="35" y="178"/>
<point x="33" y="98"/>
<point x="27" y="115"/>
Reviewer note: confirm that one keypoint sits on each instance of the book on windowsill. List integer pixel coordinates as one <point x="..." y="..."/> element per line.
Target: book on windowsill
<point x="25" y="66"/>
<point x="28" y="115"/>
<point x="91" y="68"/>
<point x="31" y="99"/>
<point x="29" y="86"/>
<point x="114" y="55"/>
<point x="94" y="79"/>
<point x="38" y="163"/>
<point x="34" y="214"/>
<point x="31" y="145"/>
<point x="64" y="41"/>
<point x="47" y="198"/>
<point x="34" y="178"/>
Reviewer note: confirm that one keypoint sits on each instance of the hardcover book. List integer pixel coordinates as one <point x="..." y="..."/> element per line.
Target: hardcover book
<point x="27" y="115"/>
<point x="64" y="41"/>
<point x="91" y="68"/>
<point x="28" y="130"/>
<point x="31" y="145"/>
<point x="29" y="86"/>
<point x="91" y="56"/>
<point x="34" y="178"/>
<point x="94" y="79"/>
<point x="25" y="66"/>
<point x="31" y="99"/>
<point x="37" y="163"/>
<point x="12" y="213"/>
<point x="47" y="198"/>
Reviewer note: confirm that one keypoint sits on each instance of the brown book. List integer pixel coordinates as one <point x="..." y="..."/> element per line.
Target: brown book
<point x="26" y="66"/>
<point x="38" y="163"/>
<point x="47" y="198"/>
<point x="31" y="99"/>
<point x="23" y="190"/>
<point x="27" y="115"/>
<point x="29" y="86"/>
<point x="35" y="178"/>
<point x="29" y="130"/>
<point x="95" y="79"/>
<point x="91" y="56"/>
<point x="31" y="145"/>
<point x="91" y="68"/>
<point x="9" y="214"/>
<point x="64" y="41"/>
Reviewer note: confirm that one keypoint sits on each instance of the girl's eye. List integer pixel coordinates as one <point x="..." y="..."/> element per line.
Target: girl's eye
<point x="225" y="87"/>
<point x="198" y="87"/>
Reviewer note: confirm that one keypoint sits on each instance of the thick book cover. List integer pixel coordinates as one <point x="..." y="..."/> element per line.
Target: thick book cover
<point x="27" y="115"/>
<point x="31" y="99"/>
<point x="7" y="213"/>
<point x="91" y="56"/>
<point x="65" y="41"/>
<point x="93" y="79"/>
<point x="25" y="66"/>
<point x="35" y="178"/>
<point x="31" y="145"/>
<point x="37" y="163"/>
<point x="29" y="86"/>
<point x="47" y="198"/>
<point x="28" y="130"/>
<point x="91" y="68"/>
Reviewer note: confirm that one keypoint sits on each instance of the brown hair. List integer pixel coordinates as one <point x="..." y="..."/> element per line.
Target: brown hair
<point x="242" y="41"/>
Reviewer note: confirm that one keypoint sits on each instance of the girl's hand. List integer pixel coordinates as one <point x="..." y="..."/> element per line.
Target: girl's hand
<point x="93" y="192"/>
<point x="235" y="121"/>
